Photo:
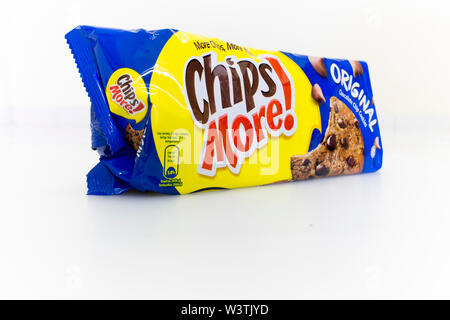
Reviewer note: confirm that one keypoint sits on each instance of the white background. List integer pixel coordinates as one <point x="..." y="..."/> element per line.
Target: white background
<point x="381" y="235"/>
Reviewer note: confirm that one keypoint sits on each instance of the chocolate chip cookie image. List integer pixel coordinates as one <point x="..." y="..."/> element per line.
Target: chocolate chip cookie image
<point x="133" y="136"/>
<point x="340" y="152"/>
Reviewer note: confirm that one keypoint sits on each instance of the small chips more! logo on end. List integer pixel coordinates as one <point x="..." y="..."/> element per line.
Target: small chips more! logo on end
<point x="127" y="94"/>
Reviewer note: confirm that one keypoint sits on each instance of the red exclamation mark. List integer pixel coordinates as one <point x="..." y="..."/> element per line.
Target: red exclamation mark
<point x="287" y="90"/>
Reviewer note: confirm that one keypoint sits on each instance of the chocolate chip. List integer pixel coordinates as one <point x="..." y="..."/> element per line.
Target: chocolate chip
<point x="306" y="162"/>
<point x="317" y="94"/>
<point x="336" y="108"/>
<point x="357" y="68"/>
<point x="350" y="161"/>
<point x="318" y="65"/>
<point x="230" y="61"/>
<point x="344" y="143"/>
<point x="356" y="123"/>
<point x="341" y="123"/>
<point x="331" y="142"/>
<point x="376" y="143"/>
<point x="321" y="170"/>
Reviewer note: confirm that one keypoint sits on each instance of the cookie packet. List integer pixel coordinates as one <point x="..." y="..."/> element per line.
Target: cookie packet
<point x="175" y="113"/>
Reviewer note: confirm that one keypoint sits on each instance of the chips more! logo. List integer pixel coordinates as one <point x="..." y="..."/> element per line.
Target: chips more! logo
<point x="124" y="95"/>
<point x="239" y="103"/>
<point x="127" y="94"/>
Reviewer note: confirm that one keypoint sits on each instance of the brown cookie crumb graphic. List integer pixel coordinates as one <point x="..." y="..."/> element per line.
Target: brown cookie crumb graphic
<point x="318" y="65"/>
<point x="341" y="151"/>
<point x="317" y="94"/>
<point x="134" y="137"/>
<point x="357" y="68"/>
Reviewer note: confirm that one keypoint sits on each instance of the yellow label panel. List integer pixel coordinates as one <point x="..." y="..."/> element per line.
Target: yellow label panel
<point x="224" y="115"/>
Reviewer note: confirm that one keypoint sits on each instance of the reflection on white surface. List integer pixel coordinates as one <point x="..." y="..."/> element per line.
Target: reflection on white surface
<point x="379" y="235"/>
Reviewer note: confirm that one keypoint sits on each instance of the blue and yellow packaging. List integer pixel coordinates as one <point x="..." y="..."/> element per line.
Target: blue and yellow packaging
<point x="173" y="112"/>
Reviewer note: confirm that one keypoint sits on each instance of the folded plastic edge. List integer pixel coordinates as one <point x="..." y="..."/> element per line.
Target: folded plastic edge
<point x="100" y="181"/>
<point x="83" y="54"/>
